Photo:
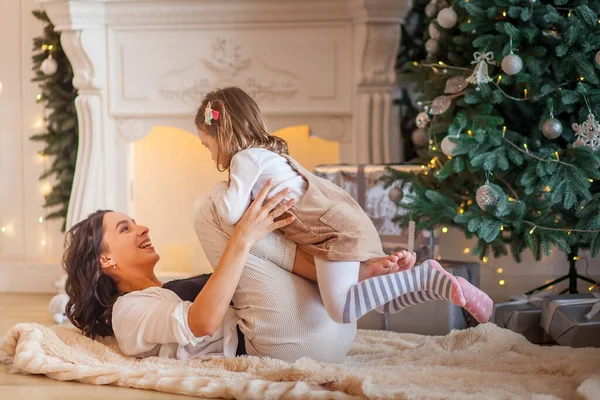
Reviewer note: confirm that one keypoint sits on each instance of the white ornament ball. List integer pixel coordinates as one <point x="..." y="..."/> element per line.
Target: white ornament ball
<point x="448" y="146"/>
<point x="395" y="194"/>
<point x="432" y="46"/>
<point x="419" y="137"/>
<point x="422" y="119"/>
<point x="49" y="66"/>
<point x="434" y="32"/>
<point x="447" y="18"/>
<point x="512" y="64"/>
<point x="552" y="128"/>
<point x="431" y="9"/>
<point x="485" y="197"/>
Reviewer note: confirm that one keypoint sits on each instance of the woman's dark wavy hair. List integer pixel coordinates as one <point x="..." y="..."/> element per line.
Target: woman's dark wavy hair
<point x="92" y="293"/>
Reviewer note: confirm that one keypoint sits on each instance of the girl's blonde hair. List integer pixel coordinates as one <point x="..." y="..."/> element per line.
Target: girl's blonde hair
<point x="239" y="126"/>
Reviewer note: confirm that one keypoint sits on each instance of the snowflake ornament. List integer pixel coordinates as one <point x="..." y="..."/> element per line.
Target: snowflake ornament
<point x="588" y="133"/>
<point x="480" y="74"/>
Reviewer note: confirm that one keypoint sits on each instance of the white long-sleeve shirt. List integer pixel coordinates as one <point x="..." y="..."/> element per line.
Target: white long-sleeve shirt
<point x="249" y="171"/>
<point x="154" y="322"/>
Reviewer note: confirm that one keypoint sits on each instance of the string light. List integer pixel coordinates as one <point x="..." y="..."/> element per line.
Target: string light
<point x="501" y="227"/>
<point x="485" y="259"/>
<point x="504" y="13"/>
<point x="499" y="78"/>
<point x="469" y="202"/>
<point x="581" y="78"/>
<point x="532" y="230"/>
<point x="590" y="180"/>
<point x="466" y="250"/>
<point x="39" y="123"/>
<point x="41" y="219"/>
<point x="500" y="270"/>
<point x="470" y="132"/>
<point x="525" y="93"/>
<point x="50" y="47"/>
<point x="576" y="258"/>
<point x="593" y="286"/>
<point x="501" y="282"/>
<point x="39" y="97"/>
<point x="444" y="229"/>
<point x="43" y="242"/>
<point x="461" y="211"/>
<point x="46" y="189"/>
<point x="416" y="64"/>
<point x="3" y="229"/>
<point x="570" y="12"/>
<point x="547" y="189"/>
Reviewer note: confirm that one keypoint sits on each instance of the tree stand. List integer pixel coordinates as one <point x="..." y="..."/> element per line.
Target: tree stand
<point x="572" y="276"/>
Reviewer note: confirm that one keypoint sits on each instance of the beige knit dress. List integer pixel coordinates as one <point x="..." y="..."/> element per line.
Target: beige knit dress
<point x="330" y="224"/>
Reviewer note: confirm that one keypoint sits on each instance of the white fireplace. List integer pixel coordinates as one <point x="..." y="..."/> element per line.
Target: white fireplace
<point x="141" y="64"/>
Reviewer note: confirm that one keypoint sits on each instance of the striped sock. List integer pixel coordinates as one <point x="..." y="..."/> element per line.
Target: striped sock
<point x="394" y="292"/>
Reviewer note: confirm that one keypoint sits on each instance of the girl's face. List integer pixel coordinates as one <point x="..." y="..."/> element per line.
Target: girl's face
<point x="210" y="143"/>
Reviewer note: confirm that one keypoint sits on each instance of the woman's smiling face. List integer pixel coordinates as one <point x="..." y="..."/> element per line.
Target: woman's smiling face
<point x="127" y="245"/>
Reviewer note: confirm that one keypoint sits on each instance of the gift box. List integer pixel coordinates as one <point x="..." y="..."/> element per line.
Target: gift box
<point x="437" y="317"/>
<point x="524" y="317"/>
<point x="364" y="183"/>
<point x="573" y="320"/>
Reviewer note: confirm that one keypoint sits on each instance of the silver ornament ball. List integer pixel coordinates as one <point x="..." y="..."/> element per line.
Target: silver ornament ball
<point x="434" y="32"/>
<point x="422" y="119"/>
<point x="432" y="46"/>
<point x="512" y="64"/>
<point x="552" y="128"/>
<point x="395" y="194"/>
<point x="419" y="137"/>
<point x="49" y="66"/>
<point x="485" y="198"/>
<point x="431" y="9"/>
<point x="448" y="146"/>
<point x="447" y="18"/>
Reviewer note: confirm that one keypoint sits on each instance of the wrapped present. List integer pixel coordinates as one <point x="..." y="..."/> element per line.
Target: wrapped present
<point x="437" y="317"/>
<point x="524" y="317"/>
<point x="573" y="320"/>
<point x="364" y="183"/>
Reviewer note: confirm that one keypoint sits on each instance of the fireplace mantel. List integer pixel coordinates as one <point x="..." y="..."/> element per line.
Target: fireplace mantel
<point x="328" y="64"/>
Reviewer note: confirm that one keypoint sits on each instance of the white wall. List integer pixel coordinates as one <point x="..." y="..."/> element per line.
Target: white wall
<point x="29" y="250"/>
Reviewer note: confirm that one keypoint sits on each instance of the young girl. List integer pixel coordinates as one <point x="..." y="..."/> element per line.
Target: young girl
<point x="328" y="224"/>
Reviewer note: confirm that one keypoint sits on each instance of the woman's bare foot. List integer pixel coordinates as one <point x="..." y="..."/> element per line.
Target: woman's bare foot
<point x="395" y="262"/>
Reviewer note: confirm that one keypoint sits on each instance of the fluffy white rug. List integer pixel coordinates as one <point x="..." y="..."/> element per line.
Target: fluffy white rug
<point x="486" y="362"/>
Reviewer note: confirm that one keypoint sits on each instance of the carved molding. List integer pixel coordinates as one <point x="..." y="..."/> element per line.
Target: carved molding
<point x="226" y="61"/>
<point x="227" y="57"/>
<point x="83" y="71"/>
<point x="130" y="130"/>
<point x="379" y="54"/>
<point x="77" y="14"/>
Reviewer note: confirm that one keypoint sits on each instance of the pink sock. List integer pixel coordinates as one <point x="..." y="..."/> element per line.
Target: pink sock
<point x="478" y="304"/>
<point x="456" y="295"/>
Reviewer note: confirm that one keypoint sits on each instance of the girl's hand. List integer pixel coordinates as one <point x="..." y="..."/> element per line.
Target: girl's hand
<point x="259" y="219"/>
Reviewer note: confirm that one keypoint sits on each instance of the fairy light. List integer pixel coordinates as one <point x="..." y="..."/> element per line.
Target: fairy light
<point x="591" y="288"/>
<point x="50" y="47"/>
<point x="470" y="132"/>
<point x="500" y="270"/>
<point x="44" y="47"/>
<point x="547" y="189"/>
<point x="501" y="227"/>
<point x="504" y="13"/>
<point x="503" y="130"/>
<point x="3" y="229"/>
<point x="434" y="148"/>
<point x="46" y="188"/>
<point x="581" y="78"/>
<point x="526" y="147"/>
<point x="43" y="242"/>
<point x="461" y="211"/>
<point x="576" y="258"/>
<point x="485" y="259"/>
<point x="556" y="221"/>
<point x="41" y="219"/>
<point x="590" y="180"/>
<point x="501" y="282"/>
<point x="416" y="64"/>
<point x="556" y="155"/>
<point x="39" y="123"/>
<point x="441" y="63"/>
<point x="444" y="229"/>
<point x="39" y="97"/>
<point x="539" y="212"/>
<point x="510" y="199"/>
<point x="469" y="202"/>
<point x="525" y="93"/>
<point x="532" y="230"/>
<point x="423" y="167"/>
<point x="570" y="13"/>
<point x="466" y="250"/>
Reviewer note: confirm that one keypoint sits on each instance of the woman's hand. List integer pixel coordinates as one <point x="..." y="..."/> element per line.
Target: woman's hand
<point x="259" y="219"/>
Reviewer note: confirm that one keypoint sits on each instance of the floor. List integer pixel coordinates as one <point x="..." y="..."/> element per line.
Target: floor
<point x="15" y="308"/>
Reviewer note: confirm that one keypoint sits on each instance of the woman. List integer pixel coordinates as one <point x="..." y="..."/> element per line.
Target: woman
<point x="110" y="263"/>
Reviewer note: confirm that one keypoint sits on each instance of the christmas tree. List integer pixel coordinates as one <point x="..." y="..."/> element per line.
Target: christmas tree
<point x="55" y="76"/>
<point x="511" y="102"/>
